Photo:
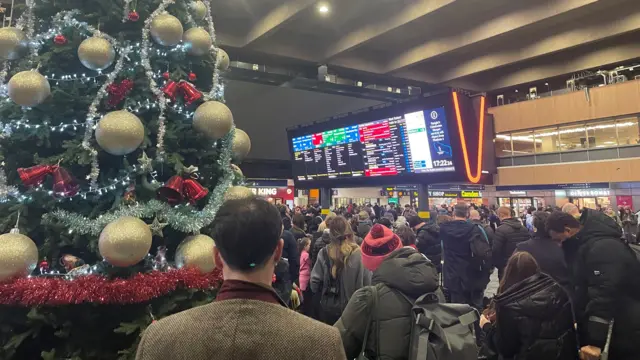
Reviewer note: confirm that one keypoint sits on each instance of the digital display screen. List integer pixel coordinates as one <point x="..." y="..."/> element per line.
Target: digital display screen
<point x="414" y="143"/>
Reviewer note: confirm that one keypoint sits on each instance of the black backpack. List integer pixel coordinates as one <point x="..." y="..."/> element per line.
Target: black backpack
<point x="330" y="299"/>
<point x="480" y="251"/>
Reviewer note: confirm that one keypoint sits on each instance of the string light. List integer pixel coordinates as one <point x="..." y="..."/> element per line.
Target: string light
<point x="8" y="127"/>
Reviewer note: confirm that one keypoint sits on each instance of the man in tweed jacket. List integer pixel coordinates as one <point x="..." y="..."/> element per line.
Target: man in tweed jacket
<point x="247" y="320"/>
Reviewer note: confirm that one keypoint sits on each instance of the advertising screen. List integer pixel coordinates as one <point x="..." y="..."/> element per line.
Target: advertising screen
<point x="414" y="143"/>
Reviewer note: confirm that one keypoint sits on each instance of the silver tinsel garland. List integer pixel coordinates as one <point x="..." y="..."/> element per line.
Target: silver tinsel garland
<point x="215" y="93"/>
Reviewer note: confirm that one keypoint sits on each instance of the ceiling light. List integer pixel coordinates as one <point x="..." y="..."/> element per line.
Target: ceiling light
<point x="323" y="8"/>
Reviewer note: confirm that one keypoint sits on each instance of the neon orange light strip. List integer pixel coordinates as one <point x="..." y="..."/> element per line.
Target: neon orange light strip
<point x="473" y="179"/>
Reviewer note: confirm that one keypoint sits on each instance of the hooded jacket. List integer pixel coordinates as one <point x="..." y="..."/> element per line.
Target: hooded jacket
<point x="404" y="270"/>
<point x="456" y="251"/>
<point x="507" y="236"/>
<point x="604" y="274"/>
<point x="534" y="321"/>
<point x="428" y="243"/>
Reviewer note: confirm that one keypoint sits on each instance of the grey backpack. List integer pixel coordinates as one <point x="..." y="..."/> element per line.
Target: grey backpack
<point x="442" y="331"/>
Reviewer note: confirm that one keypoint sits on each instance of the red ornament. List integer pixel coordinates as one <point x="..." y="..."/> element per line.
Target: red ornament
<point x="170" y="89"/>
<point x="171" y="192"/>
<point x="193" y="76"/>
<point x="64" y="184"/>
<point x="190" y="92"/>
<point x="60" y="39"/>
<point x="140" y="288"/>
<point x="193" y="190"/>
<point x="133" y="16"/>
<point x="35" y="175"/>
<point x="43" y="266"/>
<point x="166" y="75"/>
<point x="118" y="91"/>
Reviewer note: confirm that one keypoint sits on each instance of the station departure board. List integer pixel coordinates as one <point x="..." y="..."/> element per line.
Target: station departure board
<point x="416" y="142"/>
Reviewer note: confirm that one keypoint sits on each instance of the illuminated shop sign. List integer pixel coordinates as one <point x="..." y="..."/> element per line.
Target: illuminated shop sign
<point x="470" y="194"/>
<point x="588" y="192"/>
<point x="455" y="194"/>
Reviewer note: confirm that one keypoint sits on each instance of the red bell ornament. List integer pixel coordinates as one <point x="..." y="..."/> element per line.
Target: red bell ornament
<point x="191" y="94"/>
<point x="35" y="175"/>
<point x="193" y="190"/>
<point x="133" y="16"/>
<point x="170" y="90"/>
<point x="63" y="183"/>
<point x="171" y="192"/>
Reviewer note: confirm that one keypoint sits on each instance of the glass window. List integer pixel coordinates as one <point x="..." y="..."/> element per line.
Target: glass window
<point x="602" y="134"/>
<point x="547" y="140"/>
<point x="628" y="131"/>
<point x="573" y="137"/>
<point x="523" y="142"/>
<point x="503" y="145"/>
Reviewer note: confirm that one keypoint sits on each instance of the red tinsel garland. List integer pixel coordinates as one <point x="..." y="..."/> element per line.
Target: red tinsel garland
<point x="93" y="289"/>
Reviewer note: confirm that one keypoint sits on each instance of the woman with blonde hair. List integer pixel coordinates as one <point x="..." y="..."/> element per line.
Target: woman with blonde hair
<point x="338" y="271"/>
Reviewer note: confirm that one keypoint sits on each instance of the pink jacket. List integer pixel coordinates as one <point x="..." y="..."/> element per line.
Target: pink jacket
<point x="305" y="270"/>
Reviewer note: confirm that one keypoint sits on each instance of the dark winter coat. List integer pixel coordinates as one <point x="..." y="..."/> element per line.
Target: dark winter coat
<point x="534" y="321"/>
<point x="605" y="277"/>
<point x="549" y="256"/>
<point x="363" y="228"/>
<point x="290" y="252"/>
<point x="405" y="270"/>
<point x="323" y="240"/>
<point x="456" y="251"/>
<point x="487" y="229"/>
<point x="297" y="233"/>
<point x="428" y="243"/>
<point x="508" y="235"/>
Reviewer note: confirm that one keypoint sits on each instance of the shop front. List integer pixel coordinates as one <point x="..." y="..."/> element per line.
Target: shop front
<point x="587" y="198"/>
<point x="450" y="195"/>
<point x="520" y="198"/>
<point x="520" y="201"/>
<point x="275" y="191"/>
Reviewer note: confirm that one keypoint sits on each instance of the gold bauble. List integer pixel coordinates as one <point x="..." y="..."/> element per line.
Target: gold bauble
<point x="237" y="172"/>
<point x="96" y="53"/>
<point x="197" y="41"/>
<point x="237" y="192"/>
<point x="222" y="60"/>
<point x="125" y="242"/>
<point x="213" y="119"/>
<point x="198" y="9"/>
<point x="166" y="30"/>
<point x="241" y="145"/>
<point x="196" y="252"/>
<point x="18" y="256"/>
<point x="119" y="132"/>
<point x="13" y="43"/>
<point x="28" y="88"/>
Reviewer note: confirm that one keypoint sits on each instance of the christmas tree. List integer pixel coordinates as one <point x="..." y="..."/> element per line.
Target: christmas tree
<point x="116" y="152"/>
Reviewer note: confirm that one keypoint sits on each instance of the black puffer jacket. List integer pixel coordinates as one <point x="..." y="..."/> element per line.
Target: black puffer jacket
<point x="428" y="243"/>
<point x="457" y="273"/>
<point x="605" y="276"/>
<point x="508" y="235"/>
<point x="404" y="270"/>
<point x="534" y="322"/>
<point x="323" y="240"/>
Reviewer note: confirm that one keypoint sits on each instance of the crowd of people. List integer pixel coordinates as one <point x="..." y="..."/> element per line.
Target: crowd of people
<point x="298" y="285"/>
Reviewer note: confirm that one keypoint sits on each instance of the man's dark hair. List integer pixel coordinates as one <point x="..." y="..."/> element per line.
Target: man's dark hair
<point x="246" y="232"/>
<point x="540" y="221"/>
<point x="299" y="221"/>
<point x="559" y="220"/>
<point x="406" y="235"/>
<point x="386" y="222"/>
<point x="461" y="210"/>
<point x="414" y="220"/>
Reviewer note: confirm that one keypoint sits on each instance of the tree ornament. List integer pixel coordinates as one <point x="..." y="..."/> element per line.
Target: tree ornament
<point x="118" y="91"/>
<point x="157" y="227"/>
<point x="223" y="60"/>
<point x="190" y="93"/>
<point x="43" y="266"/>
<point x="28" y="88"/>
<point x="60" y="39"/>
<point x="213" y="119"/>
<point x="160" y="262"/>
<point x="170" y="89"/>
<point x="193" y="76"/>
<point x="63" y="183"/>
<point x="133" y="16"/>
<point x="171" y="192"/>
<point x="197" y="41"/>
<point x="145" y="163"/>
<point x="18" y="256"/>
<point x="13" y="43"/>
<point x="198" y="10"/>
<point x="193" y="190"/>
<point x="237" y="173"/>
<point x="35" y="175"/>
<point x="241" y="145"/>
<point x="129" y="197"/>
<point x="166" y="30"/>
<point x="125" y="241"/>
<point x="196" y="252"/>
<point x="119" y="132"/>
<point x="237" y="192"/>
<point x="166" y="75"/>
<point x="96" y="53"/>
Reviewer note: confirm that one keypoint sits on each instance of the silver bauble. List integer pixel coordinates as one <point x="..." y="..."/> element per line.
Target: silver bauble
<point x="166" y="30"/>
<point x="18" y="256"/>
<point x="223" y="60"/>
<point x="197" y="41"/>
<point x="213" y="119"/>
<point x="198" y="10"/>
<point x="96" y="53"/>
<point x="13" y="43"/>
<point x="28" y="88"/>
<point x="196" y="252"/>
<point x="237" y="192"/>
<point x="125" y="241"/>
<point x="241" y="145"/>
<point x="119" y="132"/>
